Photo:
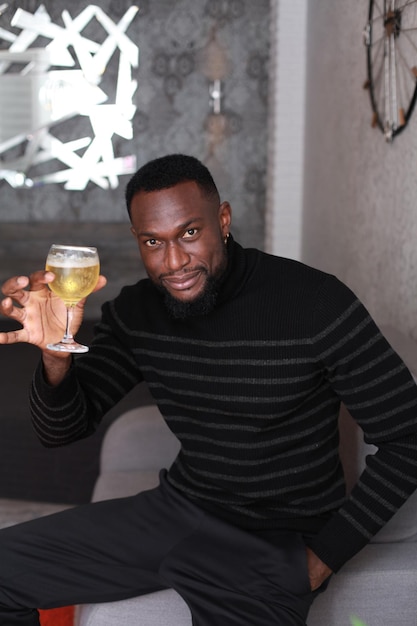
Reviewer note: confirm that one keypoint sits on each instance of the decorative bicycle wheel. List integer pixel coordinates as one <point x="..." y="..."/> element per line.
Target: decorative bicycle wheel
<point x="391" y="40"/>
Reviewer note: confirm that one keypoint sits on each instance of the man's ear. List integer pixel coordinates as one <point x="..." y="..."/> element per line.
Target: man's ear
<point x="225" y="218"/>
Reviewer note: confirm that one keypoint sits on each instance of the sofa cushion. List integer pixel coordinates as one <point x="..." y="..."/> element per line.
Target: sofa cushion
<point x="162" y="608"/>
<point x="138" y="439"/>
<point x="17" y="511"/>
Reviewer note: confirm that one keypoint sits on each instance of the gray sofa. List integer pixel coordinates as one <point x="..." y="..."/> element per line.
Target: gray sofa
<point x="378" y="586"/>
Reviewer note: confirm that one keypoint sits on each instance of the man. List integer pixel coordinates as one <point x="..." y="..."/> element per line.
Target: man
<point x="247" y="356"/>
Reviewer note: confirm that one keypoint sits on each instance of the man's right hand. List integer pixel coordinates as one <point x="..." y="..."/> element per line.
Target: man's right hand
<point x="41" y="313"/>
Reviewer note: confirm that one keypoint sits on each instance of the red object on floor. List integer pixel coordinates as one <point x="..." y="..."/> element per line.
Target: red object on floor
<point x="64" y="616"/>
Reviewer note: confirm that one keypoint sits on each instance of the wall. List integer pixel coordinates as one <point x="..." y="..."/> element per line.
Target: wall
<point x="176" y="60"/>
<point x="360" y="210"/>
<point x="286" y="127"/>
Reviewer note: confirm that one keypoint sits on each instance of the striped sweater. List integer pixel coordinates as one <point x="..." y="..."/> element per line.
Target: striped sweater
<point x="252" y="391"/>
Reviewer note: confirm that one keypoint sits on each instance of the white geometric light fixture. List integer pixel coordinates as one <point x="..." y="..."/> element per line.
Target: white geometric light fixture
<point x="35" y="99"/>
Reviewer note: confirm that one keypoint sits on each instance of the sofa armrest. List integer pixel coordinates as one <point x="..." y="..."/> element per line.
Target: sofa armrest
<point x="138" y="440"/>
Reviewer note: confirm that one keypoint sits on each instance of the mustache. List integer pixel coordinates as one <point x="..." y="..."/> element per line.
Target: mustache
<point x="188" y="270"/>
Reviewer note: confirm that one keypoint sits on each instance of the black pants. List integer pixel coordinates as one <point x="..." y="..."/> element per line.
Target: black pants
<point x="158" y="539"/>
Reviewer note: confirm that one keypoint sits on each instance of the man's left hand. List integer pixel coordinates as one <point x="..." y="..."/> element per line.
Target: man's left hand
<point x="317" y="570"/>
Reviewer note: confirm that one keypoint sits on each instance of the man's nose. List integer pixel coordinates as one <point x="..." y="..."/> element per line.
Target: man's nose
<point x="176" y="257"/>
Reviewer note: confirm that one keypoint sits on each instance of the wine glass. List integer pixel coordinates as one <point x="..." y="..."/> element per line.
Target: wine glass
<point x="76" y="270"/>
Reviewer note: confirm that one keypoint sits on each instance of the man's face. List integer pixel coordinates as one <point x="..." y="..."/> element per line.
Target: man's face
<point x="180" y="233"/>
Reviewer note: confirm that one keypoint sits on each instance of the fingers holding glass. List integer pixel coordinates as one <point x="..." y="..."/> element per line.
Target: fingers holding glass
<point x="13" y="290"/>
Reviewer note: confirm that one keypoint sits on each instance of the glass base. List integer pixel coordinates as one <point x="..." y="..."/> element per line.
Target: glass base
<point x="70" y="346"/>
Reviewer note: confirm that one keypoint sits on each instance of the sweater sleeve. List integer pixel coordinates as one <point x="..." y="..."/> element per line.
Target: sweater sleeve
<point x="96" y="381"/>
<point x="381" y="395"/>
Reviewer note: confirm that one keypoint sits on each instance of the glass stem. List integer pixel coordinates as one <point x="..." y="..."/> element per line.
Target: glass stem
<point x="68" y="338"/>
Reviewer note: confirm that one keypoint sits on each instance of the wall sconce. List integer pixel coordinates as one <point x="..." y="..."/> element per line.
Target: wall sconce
<point x="215" y="66"/>
<point x="216" y="94"/>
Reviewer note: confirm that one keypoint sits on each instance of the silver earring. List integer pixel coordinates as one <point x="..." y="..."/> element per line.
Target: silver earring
<point x="226" y="238"/>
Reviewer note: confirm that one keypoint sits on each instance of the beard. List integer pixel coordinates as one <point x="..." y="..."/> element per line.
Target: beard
<point x="201" y="304"/>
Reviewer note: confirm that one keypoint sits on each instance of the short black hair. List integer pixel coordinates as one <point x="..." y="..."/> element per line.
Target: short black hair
<point x="168" y="171"/>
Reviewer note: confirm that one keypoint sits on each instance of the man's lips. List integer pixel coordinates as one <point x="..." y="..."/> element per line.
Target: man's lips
<point x="181" y="282"/>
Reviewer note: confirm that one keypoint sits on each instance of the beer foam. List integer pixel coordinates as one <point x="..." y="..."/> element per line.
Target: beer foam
<point x="56" y="261"/>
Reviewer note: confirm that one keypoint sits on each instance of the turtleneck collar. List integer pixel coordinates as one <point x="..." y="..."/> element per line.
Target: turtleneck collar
<point x="234" y="277"/>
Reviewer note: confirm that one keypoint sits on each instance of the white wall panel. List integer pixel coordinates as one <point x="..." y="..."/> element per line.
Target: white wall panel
<point x="286" y="136"/>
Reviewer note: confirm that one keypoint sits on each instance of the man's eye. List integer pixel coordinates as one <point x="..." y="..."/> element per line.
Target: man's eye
<point x="190" y="232"/>
<point x="151" y="242"/>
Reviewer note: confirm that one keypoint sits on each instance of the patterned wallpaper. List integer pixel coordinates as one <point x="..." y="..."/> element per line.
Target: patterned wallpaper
<point x="183" y="44"/>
